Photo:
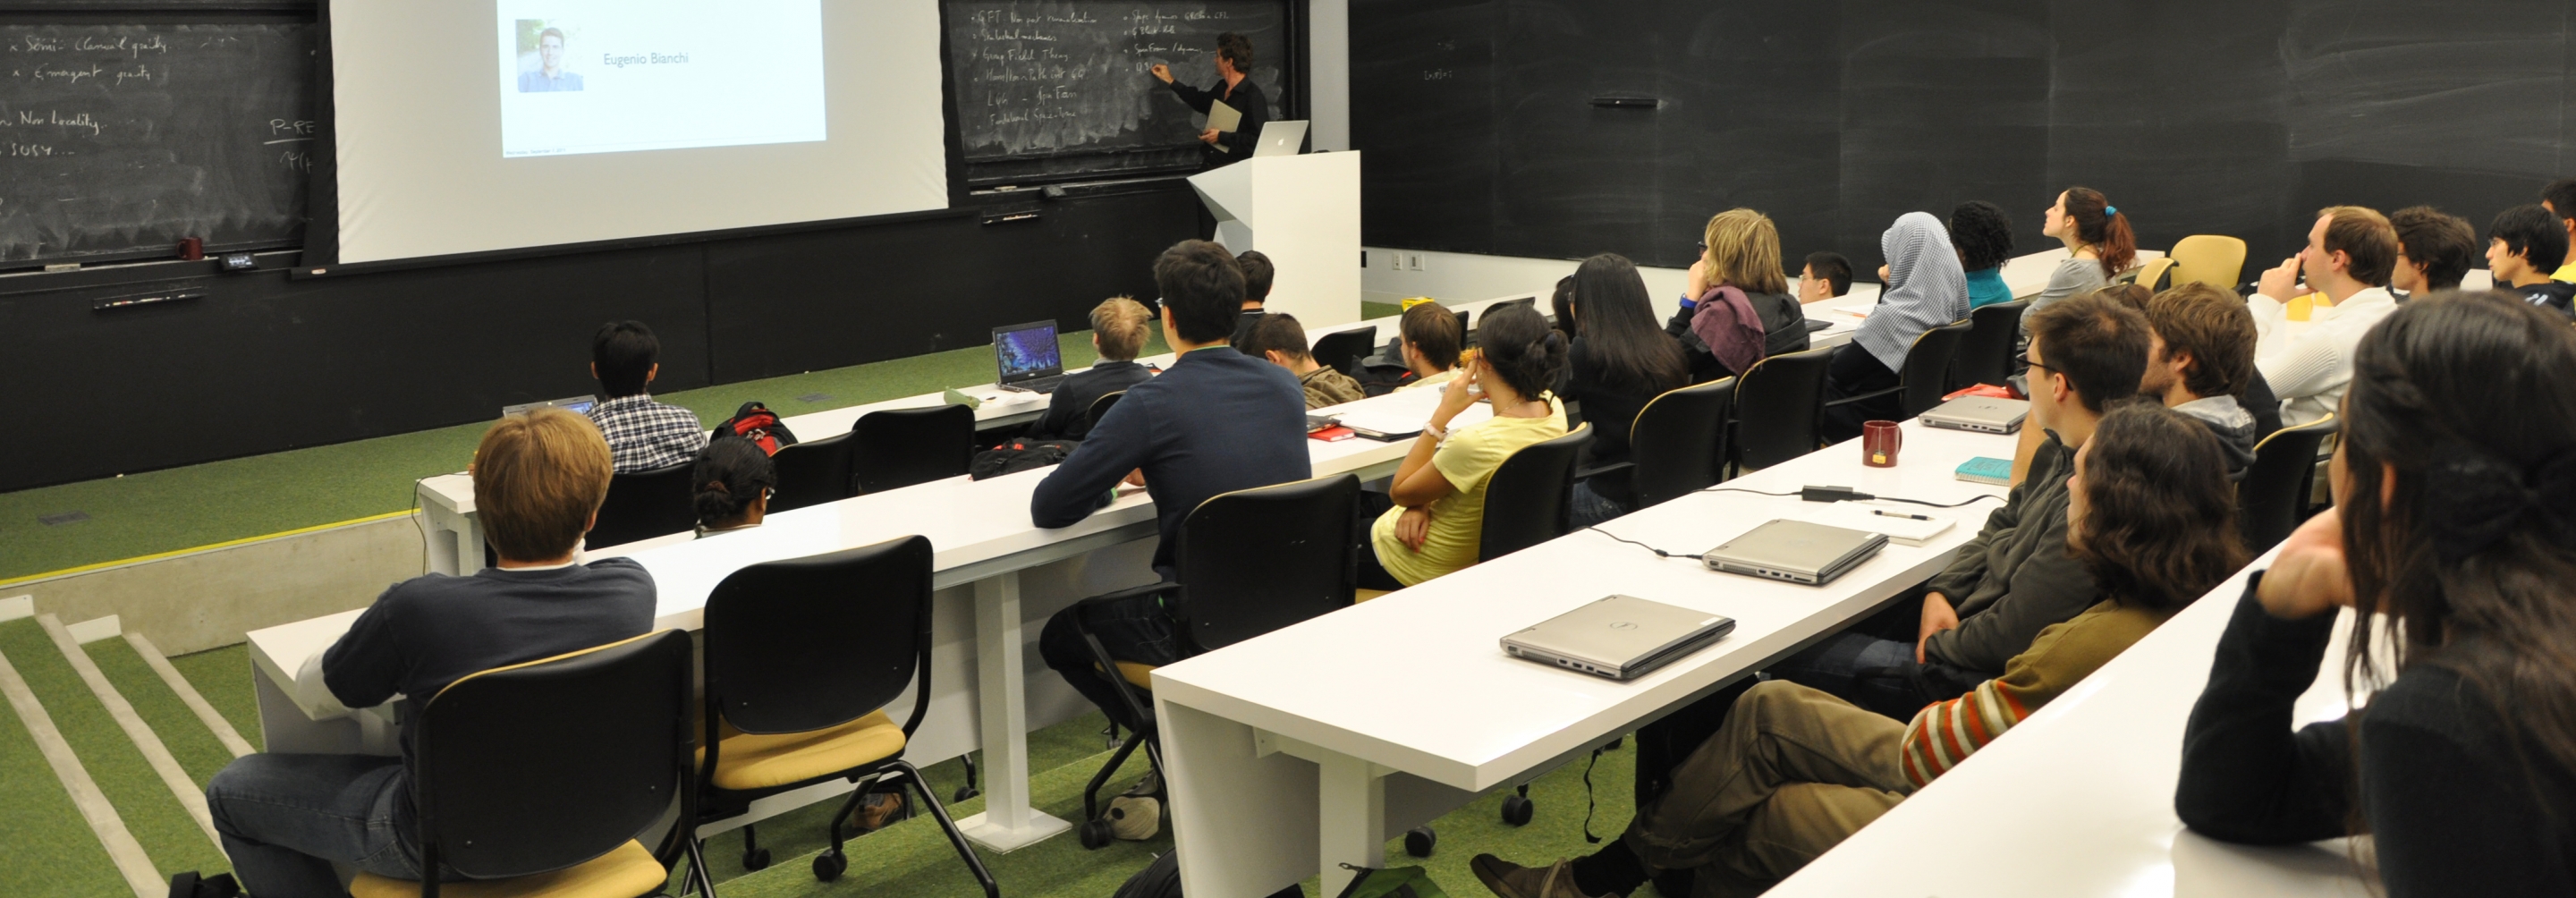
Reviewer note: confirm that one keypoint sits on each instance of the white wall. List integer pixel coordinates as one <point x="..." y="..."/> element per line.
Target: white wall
<point x="1328" y="71"/>
<point x="1466" y="277"/>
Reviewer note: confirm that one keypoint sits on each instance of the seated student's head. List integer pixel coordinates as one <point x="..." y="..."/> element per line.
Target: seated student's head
<point x="1743" y="251"/>
<point x="2086" y="352"/>
<point x="1257" y="274"/>
<point x="2524" y="245"/>
<point x="1826" y="276"/>
<point x="2134" y="296"/>
<point x="1624" y="346"/>
<point x="1118" y="328"/>
<point x="2084" y="219"/>
<point x="1202" y="290"/>
<point x="731" y="483"/>
<point x="1982" y="234"/>
<point x="2454" y="483"/>
<point x="2149" y="510"/>
<point x="1432" y="338"/>
<point x="2560" y="199"/>
<point x="2349" y="248"/>
<point x="1562" y="304"/>
<point x="538" y="482"/>
<point x="1519" y="352"/>
<point x="1279" y="338"/>
<point x="2202" y="344"/>
<point x="624" y="356"/>
<point x="2433" y="249"/>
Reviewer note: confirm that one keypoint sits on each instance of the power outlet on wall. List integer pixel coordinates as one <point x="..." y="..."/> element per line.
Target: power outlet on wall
<point x="1413" y="261"/>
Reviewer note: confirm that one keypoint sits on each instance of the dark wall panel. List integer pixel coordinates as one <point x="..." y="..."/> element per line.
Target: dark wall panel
<point x="1434" y="75"/>
<point x="263" y="363"/>
<point x="1757" y="89"/>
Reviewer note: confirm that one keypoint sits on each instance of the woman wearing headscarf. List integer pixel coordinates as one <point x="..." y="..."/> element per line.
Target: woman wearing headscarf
<point x="1925" y="289"/>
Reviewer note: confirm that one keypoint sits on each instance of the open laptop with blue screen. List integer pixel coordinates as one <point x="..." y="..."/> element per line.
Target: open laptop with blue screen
<point x="1028" y="357"/>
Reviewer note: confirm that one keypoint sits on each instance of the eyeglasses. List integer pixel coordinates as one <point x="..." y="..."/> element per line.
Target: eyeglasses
<point x="2035" y="363"/>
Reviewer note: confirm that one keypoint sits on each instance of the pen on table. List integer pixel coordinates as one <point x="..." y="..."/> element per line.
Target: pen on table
<point x="1884" y="513"/>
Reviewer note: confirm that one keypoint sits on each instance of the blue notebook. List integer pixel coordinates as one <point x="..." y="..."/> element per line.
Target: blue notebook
<point x="1996" y="471"/>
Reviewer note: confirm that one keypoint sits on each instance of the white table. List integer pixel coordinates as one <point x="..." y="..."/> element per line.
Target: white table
<point x="454" y="538"/>
<point x="983" y="541"/>
<point x="2082" y="793"/>
<point x="1297" y="751"/>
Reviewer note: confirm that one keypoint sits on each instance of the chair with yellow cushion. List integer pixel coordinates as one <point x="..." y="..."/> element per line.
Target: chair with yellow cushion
<point x="1250" y="561"/>
<point x="2214" y="259"/>
<point x="533" y="780"/>
<point x="802" y="657"/>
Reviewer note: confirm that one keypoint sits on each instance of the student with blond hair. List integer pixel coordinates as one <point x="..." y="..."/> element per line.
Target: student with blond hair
<point x="1118" y="329"/>
<point x="286" y="819"/>
<point x="1737" y="309"/>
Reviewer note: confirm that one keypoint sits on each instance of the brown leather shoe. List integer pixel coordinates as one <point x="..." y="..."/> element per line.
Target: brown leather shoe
<point x="1510" y="880"/>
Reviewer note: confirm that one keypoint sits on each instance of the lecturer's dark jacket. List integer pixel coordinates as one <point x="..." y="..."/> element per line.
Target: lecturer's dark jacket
<point x="1247" y="98"/>
<point x="1215" y="422"/>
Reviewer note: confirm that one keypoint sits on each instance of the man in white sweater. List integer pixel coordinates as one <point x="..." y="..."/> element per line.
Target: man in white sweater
<point x="2308" y="363"/>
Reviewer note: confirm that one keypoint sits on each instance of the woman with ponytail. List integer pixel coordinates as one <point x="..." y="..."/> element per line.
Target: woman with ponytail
<point x="2099" y="246"/>
<point x="2453" y="540"/>
<point x="1437" y="513"/>
<point x="730" y="485"/>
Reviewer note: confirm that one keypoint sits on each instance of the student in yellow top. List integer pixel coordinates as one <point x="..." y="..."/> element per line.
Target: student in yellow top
<point x="1438" y="508"/>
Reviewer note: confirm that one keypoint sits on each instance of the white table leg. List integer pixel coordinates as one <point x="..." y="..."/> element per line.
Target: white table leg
<point x="1007" y="822"/>
<point x="455" y="542"/>
<point x="1351" y="799"/>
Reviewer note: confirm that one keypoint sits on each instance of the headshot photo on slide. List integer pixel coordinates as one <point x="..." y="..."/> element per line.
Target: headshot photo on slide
<point x="542" y="57"/>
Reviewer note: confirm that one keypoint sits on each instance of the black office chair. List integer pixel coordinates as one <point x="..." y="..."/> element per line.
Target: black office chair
<point x="1466" y="335"/>
<point x="1091" y="418"/>
<point x="1986" y="356"/>
<point x="1678" y="445"/>
<point x="536" y="778"/>
<point x="802" y="657"/>
<point x="1777" y="406"/>
<point x="2273" y="497"/>
<point x="1251" y="561"/>
<point x="1530" y="498"/>
<point x="643" y="505"/>
<point x="894" y="449"/>
<point x="1342" y="350"/>
<point x="1926" y="377"/>
<point x="811" y="473"/>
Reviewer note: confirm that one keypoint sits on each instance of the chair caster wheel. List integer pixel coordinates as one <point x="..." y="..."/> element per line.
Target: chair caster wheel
<point x="755" y="859"/>
<point x="829" y="865"/>
<point x="963" y="793"/>
<point x="1096" y="834"/>
<point x="1517" y="810"/>
<point x="1419" y="841"/>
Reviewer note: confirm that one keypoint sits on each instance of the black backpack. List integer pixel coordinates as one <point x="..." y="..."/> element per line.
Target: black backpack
<point x="755" y="422"/>
<point x="1019" y="455"/>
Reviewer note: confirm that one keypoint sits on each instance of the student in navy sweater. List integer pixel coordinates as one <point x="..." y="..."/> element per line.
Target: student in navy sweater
<point x="538" y="482"/>
<point x="1216" y="422"/>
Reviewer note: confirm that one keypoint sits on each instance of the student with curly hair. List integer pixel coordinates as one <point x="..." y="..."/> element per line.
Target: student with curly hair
<point x="1983" y="235"/>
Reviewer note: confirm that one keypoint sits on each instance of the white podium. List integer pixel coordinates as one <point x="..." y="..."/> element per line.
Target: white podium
<point x="1304" y="213"/>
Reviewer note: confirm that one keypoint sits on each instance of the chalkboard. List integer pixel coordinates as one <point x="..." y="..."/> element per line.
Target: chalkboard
<point x="120" y="140"/>
<point x="1061" y="88"/>
<point x="1485" y="135"/>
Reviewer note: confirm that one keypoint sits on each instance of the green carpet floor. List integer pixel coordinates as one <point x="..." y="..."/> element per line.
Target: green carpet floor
<point x="178" y="509"/>
<point x="52" y="852"/>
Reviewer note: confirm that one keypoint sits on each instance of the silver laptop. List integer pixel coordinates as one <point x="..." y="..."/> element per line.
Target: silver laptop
<point x="1619" y="637"/>
<point x="1281" y="139"/>
<point x="574" y="404"/>
<point x="1796" y="551"/>
<point x="1982" y="414"/>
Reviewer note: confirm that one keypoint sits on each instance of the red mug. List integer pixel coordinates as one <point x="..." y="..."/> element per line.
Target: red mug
<point x="1879" y="443"/>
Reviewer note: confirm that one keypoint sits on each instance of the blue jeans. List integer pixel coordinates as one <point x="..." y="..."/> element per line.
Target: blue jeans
<point x="1591" y="508"/>
<point x="286" y="818"/>
<point x="1136" y="629"/>
<point x="1874" y="673"/>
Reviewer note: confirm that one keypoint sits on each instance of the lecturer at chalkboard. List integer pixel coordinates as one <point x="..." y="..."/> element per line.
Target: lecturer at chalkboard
<point x="1236" y="88"/>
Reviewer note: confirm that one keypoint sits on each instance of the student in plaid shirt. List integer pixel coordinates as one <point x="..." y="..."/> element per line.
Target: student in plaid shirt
<point x="642" y="434"/>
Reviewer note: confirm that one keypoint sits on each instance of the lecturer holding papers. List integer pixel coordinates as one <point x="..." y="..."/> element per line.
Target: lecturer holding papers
<point x="1226" y="141"/>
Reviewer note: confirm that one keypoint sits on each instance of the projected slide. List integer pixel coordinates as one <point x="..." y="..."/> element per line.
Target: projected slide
<point x="615" y="76"/>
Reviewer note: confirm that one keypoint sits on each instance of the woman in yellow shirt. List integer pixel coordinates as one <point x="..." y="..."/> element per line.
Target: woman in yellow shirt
<point x="1439" y="492"/>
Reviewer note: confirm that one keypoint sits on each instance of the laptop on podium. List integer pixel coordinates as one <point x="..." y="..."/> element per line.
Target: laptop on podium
<point x="1028" y="357"/>
<point x="1282" y="138"/>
